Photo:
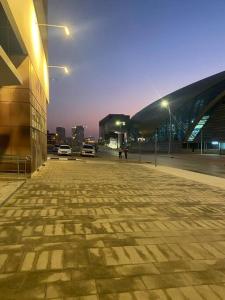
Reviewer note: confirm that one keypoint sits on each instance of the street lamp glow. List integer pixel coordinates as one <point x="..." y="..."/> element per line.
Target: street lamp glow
<point x="66" y="70"/>
<point x="67" y="32"/>
<point x="164" y="103"/>
<point x="119" y="123"/>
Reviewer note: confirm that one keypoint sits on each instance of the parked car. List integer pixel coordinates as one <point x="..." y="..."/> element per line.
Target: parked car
<point x="88" y="150"/>
<point x="64" y="150"/>
<point x="55" y="149"/>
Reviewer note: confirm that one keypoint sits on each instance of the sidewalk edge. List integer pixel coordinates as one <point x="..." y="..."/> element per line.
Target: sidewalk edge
<point x="5" y="199"/>
<point x="190" y="175"/>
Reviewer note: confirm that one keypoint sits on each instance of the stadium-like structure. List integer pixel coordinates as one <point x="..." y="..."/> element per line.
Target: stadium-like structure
<point x="197" y="115"/>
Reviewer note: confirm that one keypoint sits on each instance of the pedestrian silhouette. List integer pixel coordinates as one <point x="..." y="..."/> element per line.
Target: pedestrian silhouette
<point x="125" y="150"/>
<point x="120" y="153"/>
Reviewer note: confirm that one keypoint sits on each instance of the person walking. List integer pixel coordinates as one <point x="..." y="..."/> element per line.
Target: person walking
<point x="125" y="150"/>
<point x="120" y="153"/>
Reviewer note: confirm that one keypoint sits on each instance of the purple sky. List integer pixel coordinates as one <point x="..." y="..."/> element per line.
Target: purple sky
<point x="124" y="54"/>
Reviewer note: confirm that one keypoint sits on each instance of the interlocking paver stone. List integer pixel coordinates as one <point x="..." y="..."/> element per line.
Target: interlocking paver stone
<point x="98" y="230"/>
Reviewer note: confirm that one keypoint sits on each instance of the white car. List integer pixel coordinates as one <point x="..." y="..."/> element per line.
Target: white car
<point x="64" y="150"/>
<point x="88" y="150"/>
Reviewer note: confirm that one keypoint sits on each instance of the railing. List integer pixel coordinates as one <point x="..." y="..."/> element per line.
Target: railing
<point x="15" y="164"/>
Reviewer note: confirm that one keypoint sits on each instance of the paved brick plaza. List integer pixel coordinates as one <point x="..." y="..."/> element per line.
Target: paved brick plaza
<point x="107" y="230"/>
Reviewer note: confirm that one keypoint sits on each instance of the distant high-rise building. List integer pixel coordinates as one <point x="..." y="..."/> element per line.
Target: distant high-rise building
<point x="51" y="138"/>
<point x="77" y="135"/>
<point x="60" y="135"/>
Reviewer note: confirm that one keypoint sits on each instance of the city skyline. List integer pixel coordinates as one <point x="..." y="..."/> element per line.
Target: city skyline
<point x="124" y="55"/>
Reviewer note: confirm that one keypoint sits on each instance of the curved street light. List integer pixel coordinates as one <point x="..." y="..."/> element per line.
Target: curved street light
<point x="65" y="28"/>
<point x="66" y="69"/>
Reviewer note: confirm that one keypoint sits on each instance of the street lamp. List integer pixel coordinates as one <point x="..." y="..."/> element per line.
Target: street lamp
<point x="165" y="104"/>
<point x="66" y="70"/>
<point x="65" y="28"/>
<point x="120" y="124"/>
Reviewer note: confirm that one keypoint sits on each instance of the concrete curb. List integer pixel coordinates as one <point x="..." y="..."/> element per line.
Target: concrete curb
<point x="10" y="191"/>
<point x="62" y="158"/>
<point x="198" y="177"/>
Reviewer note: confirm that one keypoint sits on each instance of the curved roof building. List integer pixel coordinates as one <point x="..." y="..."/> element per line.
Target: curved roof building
<point x="196" y="108"/>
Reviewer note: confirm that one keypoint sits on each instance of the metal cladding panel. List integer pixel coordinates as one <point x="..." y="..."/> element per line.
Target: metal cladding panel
<point x="23" y="118"/>
<point x="23" y="20"/>
<point x="23" y="107"/>
<point x="9" y="41"/>
<point x="9" y="74"/>
<point x="41" y="8"/>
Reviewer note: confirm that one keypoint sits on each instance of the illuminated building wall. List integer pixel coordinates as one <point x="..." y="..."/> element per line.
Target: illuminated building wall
<point x="24" y="86"/>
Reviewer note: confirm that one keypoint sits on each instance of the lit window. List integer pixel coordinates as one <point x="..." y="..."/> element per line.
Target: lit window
<point x="197" y="128"/>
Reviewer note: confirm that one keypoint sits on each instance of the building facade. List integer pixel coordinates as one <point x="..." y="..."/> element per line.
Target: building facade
<point x="197" y="114"/>
<point x="24" y="81"/>
<point x="77" y="136"/>
<point x="113" y="129"/>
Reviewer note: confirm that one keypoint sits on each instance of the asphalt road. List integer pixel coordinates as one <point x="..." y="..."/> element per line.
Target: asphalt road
<point x="210" y="164"/>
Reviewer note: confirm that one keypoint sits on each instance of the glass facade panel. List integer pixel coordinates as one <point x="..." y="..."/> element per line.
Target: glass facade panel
<point x="198" y="128"/>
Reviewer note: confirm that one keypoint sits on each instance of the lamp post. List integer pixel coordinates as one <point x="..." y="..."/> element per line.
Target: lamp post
<point x="120" y="124"/>
<point x="65" y="28"/>
<point x="156" y="146"/>
<point x="166" y="104"/>
<point x="66" y="69"/>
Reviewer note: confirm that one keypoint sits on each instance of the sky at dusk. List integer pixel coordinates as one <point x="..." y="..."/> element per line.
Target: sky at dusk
<point x="125" y="54"/>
